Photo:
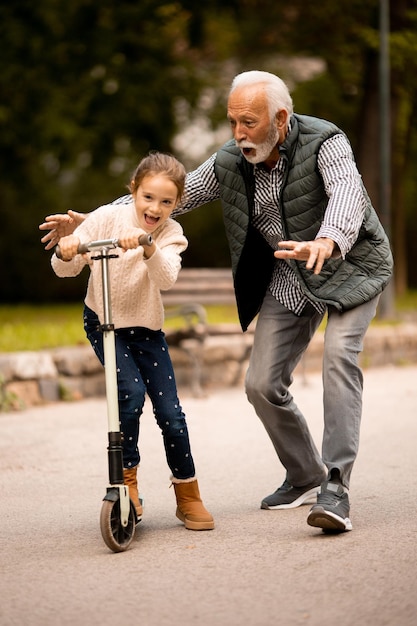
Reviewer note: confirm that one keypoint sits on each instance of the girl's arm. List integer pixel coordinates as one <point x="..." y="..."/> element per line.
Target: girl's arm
<point x="164" y="264"/>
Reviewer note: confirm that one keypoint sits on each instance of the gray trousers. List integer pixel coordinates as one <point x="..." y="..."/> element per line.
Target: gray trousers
<point x="281" y="339"/>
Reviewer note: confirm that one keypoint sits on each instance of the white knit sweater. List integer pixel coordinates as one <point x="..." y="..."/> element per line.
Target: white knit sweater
<point x="135" y="282"/>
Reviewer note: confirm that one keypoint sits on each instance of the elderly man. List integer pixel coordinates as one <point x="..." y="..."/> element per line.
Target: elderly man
<point x="304" y="241"/>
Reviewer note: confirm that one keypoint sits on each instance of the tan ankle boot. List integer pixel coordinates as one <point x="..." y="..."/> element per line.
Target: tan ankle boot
<point x="190" y="508"/>
<point x="130" y="480"/>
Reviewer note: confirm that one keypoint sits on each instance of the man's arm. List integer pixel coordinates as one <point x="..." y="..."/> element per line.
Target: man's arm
<point x="201" y="187"/>
<point x="344" y="213"/>
<point x="63" y="224"/>
<point x="343" y="185"/>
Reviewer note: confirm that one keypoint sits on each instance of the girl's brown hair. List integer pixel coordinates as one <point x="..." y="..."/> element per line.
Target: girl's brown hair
<point x="159" y="163"/>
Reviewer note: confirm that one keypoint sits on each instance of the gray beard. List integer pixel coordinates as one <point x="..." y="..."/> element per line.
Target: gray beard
<point x="264" y="149"/>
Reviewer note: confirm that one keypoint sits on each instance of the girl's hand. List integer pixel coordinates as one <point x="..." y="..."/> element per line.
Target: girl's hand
<point x="130" y="238"/>
<point x="69" y="247"/>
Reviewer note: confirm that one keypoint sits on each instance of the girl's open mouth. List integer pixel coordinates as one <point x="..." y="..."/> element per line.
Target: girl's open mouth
<point x="151" y="221"/>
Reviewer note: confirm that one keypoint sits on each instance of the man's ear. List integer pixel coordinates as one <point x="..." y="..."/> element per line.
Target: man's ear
<point x="282" y="119"/>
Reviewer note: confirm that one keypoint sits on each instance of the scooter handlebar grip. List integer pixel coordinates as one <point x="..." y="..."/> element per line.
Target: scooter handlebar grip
<point x="145" y="240"/>
<point x="82" y="248"/>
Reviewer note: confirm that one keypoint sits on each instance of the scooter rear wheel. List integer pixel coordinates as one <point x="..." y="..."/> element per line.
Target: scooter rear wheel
<point x="116" y="536"/>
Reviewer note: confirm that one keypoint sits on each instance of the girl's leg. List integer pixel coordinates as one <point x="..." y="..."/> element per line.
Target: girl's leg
<point x="150" y="352"/>
<point x="152" y="357"/>
<point x="140" y="352"/>
<point x="131" y="388"/>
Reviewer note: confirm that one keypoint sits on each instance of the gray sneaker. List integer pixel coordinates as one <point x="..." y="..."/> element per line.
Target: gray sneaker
<point x="289" y="497"/>
<point x="331" y="513"/>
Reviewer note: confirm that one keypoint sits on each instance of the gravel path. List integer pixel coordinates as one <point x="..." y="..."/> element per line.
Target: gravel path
<point x="256" y="568"/>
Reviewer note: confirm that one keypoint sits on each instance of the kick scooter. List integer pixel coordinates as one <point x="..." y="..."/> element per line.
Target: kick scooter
<point x="118" y="517"/>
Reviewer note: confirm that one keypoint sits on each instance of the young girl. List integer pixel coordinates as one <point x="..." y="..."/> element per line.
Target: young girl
<point x="143" y="361"/>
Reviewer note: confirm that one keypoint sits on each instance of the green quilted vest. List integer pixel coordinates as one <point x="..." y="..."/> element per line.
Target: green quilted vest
<point x="347" y="283"/>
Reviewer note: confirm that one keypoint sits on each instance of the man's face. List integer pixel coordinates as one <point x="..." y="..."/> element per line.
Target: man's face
<point x="255" y="133"/>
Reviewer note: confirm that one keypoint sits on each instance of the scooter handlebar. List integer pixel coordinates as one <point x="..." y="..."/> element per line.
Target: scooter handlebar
<point x="143" y="240"/>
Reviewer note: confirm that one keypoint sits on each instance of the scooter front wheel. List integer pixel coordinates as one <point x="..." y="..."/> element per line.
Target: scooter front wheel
<point x="116" y="536"/>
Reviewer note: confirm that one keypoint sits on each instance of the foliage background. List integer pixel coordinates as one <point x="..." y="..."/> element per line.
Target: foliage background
<point x="88" y="87"/>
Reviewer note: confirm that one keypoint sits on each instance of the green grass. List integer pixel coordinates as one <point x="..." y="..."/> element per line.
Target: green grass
<point x="408" y="302"/>
<point x="31" y="327"/>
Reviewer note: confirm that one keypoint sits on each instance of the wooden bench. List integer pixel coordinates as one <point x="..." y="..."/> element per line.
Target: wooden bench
<point x="195" y="288"/>
<point x="202" y="286"/>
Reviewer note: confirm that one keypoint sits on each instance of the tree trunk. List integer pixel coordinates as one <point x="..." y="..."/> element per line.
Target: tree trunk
<point x="369" y="151"/>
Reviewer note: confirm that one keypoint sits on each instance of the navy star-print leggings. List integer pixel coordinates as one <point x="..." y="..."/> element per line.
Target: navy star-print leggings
<point x="144" y="366"/>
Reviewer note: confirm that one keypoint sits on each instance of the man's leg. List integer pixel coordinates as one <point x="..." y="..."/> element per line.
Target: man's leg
<point x="280" y="341"/>
<point x="343" y="386"/>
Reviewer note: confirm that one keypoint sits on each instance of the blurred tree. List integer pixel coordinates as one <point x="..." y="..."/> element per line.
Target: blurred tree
<point x="404" y="140"/>
<point x="88" y="87"/>
<point x="403" y="125"/>
<point x="345" y="35"/>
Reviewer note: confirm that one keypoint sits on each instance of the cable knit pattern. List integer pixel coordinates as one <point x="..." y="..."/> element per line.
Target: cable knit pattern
<point x="135" y="282"/>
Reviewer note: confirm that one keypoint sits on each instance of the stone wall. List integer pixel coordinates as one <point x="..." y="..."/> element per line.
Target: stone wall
<point x="220" y="360"/>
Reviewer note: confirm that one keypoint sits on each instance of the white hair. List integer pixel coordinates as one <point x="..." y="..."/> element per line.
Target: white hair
<point x="276" y="90"/>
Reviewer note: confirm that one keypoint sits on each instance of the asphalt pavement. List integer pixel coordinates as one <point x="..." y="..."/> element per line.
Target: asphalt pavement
<point x="256" y="568"/>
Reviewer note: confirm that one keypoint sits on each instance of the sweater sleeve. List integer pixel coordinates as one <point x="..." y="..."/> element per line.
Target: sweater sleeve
<point x="165" y="263"/>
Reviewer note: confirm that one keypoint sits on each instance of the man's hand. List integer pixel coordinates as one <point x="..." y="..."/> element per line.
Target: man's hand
<point x="60" y="225"/>
<point x="313" y="252"/>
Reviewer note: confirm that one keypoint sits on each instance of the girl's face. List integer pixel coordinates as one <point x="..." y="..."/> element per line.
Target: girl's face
<point x="155" y="199"/>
